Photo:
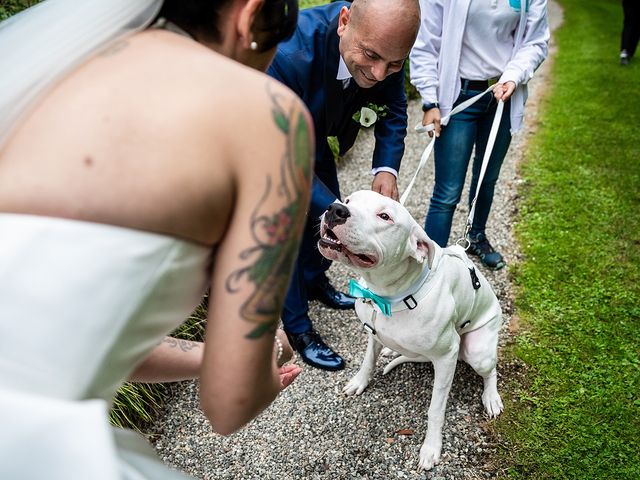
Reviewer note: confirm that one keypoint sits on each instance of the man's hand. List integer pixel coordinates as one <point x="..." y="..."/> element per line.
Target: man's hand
<point x="386" y="184"/>
<point x="432" y="116"/>
<point x="288" y="374"/>
<point x="502" y="91"/>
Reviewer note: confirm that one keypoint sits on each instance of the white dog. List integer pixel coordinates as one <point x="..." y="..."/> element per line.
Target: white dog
<point x="425" y="302"/>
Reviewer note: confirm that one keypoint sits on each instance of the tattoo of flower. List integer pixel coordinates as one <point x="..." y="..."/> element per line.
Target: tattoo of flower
<point x="277" y="234"/>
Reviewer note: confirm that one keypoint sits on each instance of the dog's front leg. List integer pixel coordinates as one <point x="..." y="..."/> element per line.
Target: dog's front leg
<point x="361" y="379"/>
<point x="444" y="369"/>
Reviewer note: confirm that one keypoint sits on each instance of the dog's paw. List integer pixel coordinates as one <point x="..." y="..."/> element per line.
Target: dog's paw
<point x="492" y="403"/>
<point x="356" y="385"/>
<point x="387" y="352"/>
<point x="429" y="456"/>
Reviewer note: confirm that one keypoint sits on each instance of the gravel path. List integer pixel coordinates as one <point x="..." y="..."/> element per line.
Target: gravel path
<point x="312" y="431"/>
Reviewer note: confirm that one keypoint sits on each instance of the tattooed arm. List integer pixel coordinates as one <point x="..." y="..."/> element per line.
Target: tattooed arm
<point x="272" y="172"/>
<point x="172" y="360"/>
<point x="175" y="359"/>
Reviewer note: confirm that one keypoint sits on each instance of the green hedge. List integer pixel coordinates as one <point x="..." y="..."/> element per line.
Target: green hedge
<point x="11" y="7"/>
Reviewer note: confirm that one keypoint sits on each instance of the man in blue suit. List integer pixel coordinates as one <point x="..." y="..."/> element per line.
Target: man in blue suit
<point x="340" y="58"/>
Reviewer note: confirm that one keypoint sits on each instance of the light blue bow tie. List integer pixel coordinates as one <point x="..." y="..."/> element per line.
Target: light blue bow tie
<point x="358" y="291"/>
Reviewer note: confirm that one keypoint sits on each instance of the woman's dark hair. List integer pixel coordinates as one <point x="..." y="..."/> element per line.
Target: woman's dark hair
<point x="276" y="20"/>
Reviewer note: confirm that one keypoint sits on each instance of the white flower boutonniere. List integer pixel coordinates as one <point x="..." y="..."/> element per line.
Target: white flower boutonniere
<point x="368" y="115"/>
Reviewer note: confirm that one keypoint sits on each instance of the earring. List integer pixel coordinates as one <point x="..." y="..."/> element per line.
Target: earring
<point x="254" y="46"/>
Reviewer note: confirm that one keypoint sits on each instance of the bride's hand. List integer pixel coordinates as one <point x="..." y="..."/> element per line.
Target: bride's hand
<point x="287" y="350"/>
<point x="288" y="374"/>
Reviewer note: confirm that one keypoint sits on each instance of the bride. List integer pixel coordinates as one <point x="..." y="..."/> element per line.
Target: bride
<point x="141" y="163"/>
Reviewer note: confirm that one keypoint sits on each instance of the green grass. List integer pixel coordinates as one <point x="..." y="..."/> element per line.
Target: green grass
<point x="576" y="414"/>
<point x="311" y="3"/>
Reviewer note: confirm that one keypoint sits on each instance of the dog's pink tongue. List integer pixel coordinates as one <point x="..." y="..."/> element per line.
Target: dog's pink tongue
<point x="360" y="259"/>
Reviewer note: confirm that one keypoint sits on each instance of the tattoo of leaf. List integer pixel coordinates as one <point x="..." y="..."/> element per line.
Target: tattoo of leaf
<point x="276" y="233"/>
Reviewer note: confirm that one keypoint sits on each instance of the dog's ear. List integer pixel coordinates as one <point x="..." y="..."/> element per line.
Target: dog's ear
<point x="420" y="245"/>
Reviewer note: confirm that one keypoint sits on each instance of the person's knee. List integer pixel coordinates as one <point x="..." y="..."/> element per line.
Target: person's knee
<point x="446" y="198"/>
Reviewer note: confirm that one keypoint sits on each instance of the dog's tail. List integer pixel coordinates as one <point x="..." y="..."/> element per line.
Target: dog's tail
<point x="400" y="360"/>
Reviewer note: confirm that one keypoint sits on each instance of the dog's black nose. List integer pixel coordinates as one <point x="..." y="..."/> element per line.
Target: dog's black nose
<point x="336" y="214"/>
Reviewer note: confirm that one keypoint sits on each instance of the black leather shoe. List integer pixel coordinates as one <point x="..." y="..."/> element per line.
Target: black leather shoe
<point x="314" y="351"/>
<point x="328" y="295"/>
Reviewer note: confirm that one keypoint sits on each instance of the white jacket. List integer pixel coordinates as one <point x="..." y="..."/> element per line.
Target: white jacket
<point x="435" y="56"/>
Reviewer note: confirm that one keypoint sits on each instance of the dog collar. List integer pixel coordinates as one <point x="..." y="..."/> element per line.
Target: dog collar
<point x="409" y="299"/>
<point x="358" y="291"/>
<point x="385" y="304"/>
<point x="407" y="296"/>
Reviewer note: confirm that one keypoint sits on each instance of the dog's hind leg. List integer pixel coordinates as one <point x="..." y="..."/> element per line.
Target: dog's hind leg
<point x="444" y="368"/>
<point x="479" y="348"/>
<point x="400" y="360"/>
<point x="490" y="396"/>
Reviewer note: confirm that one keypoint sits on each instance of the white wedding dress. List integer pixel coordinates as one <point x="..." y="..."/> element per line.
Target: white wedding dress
<point x="81" y="304"/>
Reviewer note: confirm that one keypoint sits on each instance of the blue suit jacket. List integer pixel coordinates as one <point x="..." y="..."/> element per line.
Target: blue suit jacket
<point x="308" y="64"/>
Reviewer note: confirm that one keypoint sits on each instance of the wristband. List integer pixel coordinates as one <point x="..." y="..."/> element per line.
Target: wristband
<point x="428" y="106"/>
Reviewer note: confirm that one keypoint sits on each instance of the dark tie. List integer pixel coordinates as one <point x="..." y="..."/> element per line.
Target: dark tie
<point x="350" y="92"/>
<point x="342" y="107"/>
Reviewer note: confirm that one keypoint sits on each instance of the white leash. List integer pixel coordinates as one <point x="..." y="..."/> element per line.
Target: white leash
<point x="487" y="154"/>
<point x="464" y="241"/>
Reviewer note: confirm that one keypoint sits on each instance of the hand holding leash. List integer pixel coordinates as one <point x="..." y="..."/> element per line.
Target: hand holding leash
<point x="430" y="122"/>
<point x="502" y="91"/>
<point x="429" y="128"/>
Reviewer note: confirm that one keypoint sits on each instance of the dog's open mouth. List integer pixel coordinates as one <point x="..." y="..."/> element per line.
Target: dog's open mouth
<point x="330" y="240"/>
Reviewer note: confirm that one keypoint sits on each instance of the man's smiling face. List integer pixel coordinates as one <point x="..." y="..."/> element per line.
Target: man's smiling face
<point x="374" y="40"/>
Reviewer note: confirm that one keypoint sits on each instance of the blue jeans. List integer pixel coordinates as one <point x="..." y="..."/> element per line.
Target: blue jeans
<point x="452" y="152"/>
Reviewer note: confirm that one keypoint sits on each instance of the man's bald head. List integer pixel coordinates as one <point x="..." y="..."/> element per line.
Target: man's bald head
<point x="376" y="37"/>
<point x="402" y="15"/>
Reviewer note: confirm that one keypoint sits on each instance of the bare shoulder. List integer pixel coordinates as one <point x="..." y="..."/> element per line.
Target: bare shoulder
<point x="242" y="106"/>
<point x="255" y="129"/>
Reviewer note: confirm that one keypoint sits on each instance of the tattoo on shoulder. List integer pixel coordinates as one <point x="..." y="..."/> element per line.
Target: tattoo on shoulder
<point x="277" y="232"/>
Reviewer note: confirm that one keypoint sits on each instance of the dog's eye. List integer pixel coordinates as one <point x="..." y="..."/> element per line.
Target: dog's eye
<point x="384" y="216"/>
